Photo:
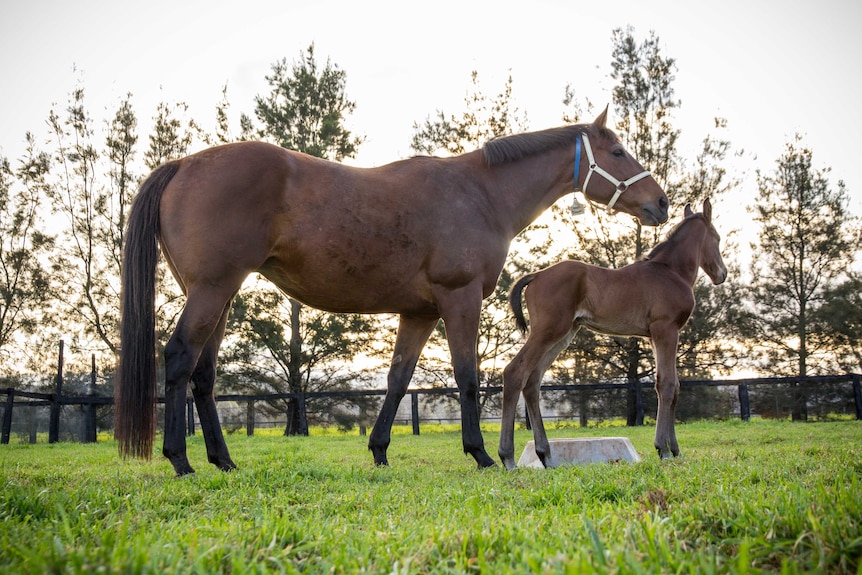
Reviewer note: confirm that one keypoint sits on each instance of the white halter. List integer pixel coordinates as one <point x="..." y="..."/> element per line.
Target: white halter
<point x="621" y="186"/>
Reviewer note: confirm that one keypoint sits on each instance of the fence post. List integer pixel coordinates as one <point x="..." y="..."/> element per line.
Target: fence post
<point x="744" y="405"/>
<point x="249" y="418"/>
<point x="190" y="416"/>
<point x="857" y="395"/>
<point x="7" y="417"/>
<point x="54" y="420"/>
<point x="414" y="411"/>
<point x="89" y="431"/>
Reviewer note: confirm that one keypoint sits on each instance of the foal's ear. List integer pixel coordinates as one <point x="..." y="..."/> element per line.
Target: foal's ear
<point x="687" y="213"/>
<point x="707" y="210"/>
<point x="602" y="120"/>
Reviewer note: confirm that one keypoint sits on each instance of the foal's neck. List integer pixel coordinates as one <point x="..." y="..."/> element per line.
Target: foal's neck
<point x="683" y="253"/>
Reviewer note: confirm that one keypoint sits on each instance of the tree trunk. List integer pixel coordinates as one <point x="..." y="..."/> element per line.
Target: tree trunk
<point x="294" y="416"/>
<point x="634" y="393"/>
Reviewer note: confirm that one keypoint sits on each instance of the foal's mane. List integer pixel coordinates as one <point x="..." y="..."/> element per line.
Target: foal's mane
<point x="518" y="146"/>
<point x="670" y="238"/>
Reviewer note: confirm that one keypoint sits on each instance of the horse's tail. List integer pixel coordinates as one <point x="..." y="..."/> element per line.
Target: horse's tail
<point x="135" y="380"/>
<point x="515" y="301"/>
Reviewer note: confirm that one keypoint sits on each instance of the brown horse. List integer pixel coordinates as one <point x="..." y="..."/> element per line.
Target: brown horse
<point x="652" y="298"/>
<point x="425" y="238"/>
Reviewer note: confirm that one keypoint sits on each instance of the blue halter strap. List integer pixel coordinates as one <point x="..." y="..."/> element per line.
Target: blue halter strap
<point x="577" y="161"/>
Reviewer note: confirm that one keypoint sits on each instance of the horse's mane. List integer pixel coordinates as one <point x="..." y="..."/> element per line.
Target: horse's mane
<point x="669" y="238"/>
<point x="518" y="146"/>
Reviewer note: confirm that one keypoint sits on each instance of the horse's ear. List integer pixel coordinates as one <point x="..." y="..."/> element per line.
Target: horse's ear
<point x="602" y="120"/>
<point x="707" y="210"/>
<point x="688" y="212"/>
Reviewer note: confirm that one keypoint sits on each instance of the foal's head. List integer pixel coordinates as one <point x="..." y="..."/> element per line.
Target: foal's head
<point x="710" y="252"/>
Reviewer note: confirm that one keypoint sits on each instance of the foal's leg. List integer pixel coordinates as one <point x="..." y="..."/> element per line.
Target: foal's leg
<point x="197" y="323"/>
<point x="514" y="378"/>
<point x="664" y="342"/>
<point x="524" y="373"/>
<point x="413" y="332"/>
<point x="532" y="398"/>
<point x="203" y="380"/>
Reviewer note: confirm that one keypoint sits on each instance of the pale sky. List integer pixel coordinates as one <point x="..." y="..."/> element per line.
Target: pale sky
<point x="772" y="69"/>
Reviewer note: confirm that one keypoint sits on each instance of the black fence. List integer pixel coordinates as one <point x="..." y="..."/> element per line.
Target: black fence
<point x="79" y="418"/>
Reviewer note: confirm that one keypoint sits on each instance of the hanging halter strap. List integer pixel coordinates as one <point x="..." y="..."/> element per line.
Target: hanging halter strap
<point x="621" y="186"/>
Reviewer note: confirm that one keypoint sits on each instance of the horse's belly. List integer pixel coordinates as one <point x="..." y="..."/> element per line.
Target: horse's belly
<point x="342" y="288"/>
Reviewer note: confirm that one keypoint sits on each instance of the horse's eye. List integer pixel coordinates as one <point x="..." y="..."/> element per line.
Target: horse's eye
<point x="618" y="152"/>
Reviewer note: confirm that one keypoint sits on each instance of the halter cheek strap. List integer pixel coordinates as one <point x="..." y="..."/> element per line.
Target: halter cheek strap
<point x="621" y="186"/>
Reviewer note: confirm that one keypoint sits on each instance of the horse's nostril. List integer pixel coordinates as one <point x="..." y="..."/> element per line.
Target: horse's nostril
<point x="663" y="202"/>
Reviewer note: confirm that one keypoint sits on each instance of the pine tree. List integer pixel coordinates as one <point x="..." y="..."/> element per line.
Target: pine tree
<point x="806" y="243"/>
<point x="305" y="111"/>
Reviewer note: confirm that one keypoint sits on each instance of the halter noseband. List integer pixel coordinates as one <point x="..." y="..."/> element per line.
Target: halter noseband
<point x="621" y="186"/>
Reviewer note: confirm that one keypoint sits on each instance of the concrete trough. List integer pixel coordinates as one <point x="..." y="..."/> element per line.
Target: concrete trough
<point x="573" y="451"/>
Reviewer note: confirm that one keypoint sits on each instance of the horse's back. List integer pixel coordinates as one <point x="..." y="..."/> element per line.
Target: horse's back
<point x="313" y="226"/>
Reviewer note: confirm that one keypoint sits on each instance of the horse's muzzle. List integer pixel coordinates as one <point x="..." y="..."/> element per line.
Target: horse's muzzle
<point x="655" y="213"/>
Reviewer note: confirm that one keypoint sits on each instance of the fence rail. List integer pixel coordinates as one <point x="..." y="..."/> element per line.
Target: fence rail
<point x="89" y="403"/>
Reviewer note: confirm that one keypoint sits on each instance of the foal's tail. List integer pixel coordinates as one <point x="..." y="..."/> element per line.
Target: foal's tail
<point x="515" y="301"/>
<point x="135" y="380"/>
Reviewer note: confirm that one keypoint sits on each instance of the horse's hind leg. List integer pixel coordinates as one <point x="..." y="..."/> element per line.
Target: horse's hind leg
<point x="203" y="381"/>
<point x="199" y="320"/>
<point x="413" y="332"/>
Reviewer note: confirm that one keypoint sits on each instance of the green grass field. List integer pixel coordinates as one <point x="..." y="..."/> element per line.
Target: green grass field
<point x="746" y="498"/>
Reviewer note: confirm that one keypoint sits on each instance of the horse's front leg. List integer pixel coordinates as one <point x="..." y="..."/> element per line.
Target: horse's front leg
<point x="413" y="332"/>
<point x="203" y="381"/>
<point x="664" y="342"/>
<point x="460" y="310"/>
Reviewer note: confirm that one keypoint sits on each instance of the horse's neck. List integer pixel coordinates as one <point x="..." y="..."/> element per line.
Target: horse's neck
<point x="525" y="188"/>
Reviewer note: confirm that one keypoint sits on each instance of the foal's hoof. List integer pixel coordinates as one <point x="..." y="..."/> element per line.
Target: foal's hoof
<point x="667" y="454"/>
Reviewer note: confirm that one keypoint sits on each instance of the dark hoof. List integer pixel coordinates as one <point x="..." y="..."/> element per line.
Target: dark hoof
<point x="379" y="453"/>
<point x="543" y="457"/>
<point x="185" y="471"/>
<point x="483" y="460"/>
<point x="225" y="464"/>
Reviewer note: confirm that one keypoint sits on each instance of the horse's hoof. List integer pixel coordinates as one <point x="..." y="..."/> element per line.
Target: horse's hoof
<point x="182" y="466"/>
<point x="185" y="472"/>
<point x="484" y="460"/>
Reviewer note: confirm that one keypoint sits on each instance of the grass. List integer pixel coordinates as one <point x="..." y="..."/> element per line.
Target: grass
<point x="746" y="498"/>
